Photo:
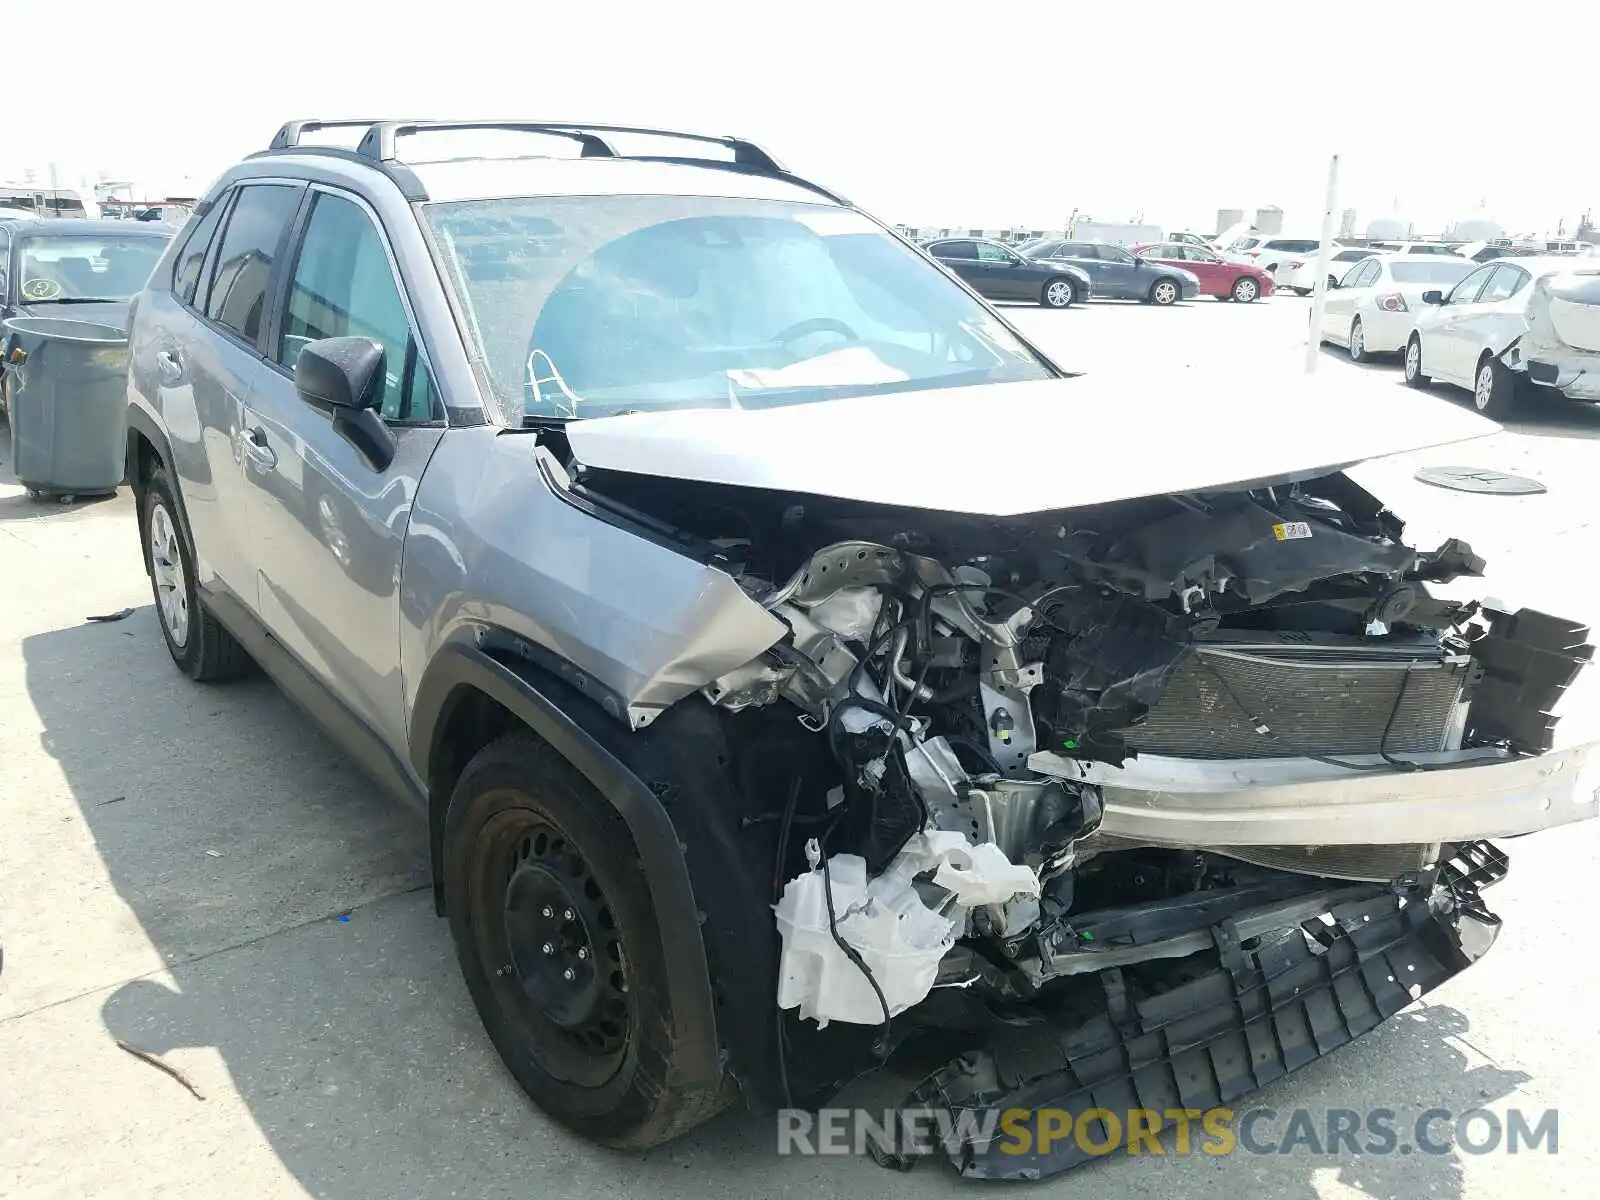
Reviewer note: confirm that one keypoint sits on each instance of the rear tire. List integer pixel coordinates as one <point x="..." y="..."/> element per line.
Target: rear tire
<point x="1245" y="290"/>
<point x="558" y="942"/>
<point x="1494" y="389"/>
<point x="1164" y="293"/>
<point x="200" y="647"/>
<point x="1358" y="343"/>
<point x="1413" y="363"/>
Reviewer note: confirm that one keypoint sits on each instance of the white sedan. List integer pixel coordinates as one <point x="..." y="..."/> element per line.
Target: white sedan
<point x="1373" y="308"/>
<point x="1299" y="274"/>
<point x="1513" y="324"/>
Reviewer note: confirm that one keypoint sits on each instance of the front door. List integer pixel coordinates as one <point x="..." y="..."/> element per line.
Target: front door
<point x="1444" y="351"/>
<point x="1126" y="277"/>
<point x="328" y="520"/>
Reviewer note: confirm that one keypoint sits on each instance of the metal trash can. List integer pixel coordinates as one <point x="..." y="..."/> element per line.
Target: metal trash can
<point x="69" y="395"/>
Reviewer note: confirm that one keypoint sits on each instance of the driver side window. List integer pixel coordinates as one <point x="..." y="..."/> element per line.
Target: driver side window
<point x="344" y="286"/>
<point x="993" y="254"/>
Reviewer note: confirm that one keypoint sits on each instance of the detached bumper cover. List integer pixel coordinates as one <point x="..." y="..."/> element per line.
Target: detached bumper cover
<point x="1261" y="1013"/>
<point x="1467" y="794"/>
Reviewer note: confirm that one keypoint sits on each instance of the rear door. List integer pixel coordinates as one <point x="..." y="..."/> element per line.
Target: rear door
<point x="1086" y="255"/>
<point x="1340" y="304"/>
<point x="1124" y="274"/>
<point x="1496" y="319"/>
<point x="961" y="256"/>
<point x="328" y="514"/>
<point x="198" y="353"/>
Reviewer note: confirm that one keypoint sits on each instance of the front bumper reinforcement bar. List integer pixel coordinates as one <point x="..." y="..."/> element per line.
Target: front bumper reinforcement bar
<point x="1273" y="1003"/>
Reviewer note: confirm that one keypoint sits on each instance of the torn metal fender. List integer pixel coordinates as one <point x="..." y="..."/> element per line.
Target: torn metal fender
<point x="1461" y="796"/>
<point x="1288" y="999"/>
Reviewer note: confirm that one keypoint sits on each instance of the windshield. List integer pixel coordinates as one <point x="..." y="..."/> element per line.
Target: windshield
<point x="1431" y="270"/>
<point x="586" y="307"/>
<point x="63" y="269"/>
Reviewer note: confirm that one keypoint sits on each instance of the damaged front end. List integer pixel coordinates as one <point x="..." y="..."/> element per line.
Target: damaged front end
<point x="1140" y="804"/>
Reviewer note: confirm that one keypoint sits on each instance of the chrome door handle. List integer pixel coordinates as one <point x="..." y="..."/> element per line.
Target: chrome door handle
<point x="257" y="451"/>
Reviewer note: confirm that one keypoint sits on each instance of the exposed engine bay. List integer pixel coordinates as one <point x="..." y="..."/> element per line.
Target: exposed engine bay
<point x="1082" y="741"/>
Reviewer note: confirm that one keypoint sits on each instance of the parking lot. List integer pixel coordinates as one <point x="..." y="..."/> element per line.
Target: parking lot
<point x="195" y="872"/>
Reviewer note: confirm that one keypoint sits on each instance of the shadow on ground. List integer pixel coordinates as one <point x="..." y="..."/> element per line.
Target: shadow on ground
<point x="288" y="899"/>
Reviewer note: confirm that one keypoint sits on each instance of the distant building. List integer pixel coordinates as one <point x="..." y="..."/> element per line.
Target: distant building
<point x="1347" y="223"/>
<point x="1389" y="228"/>
<point x="1269" y="220"/>
<point x="1476" y="226"/>
<point x="1227" y="218"/>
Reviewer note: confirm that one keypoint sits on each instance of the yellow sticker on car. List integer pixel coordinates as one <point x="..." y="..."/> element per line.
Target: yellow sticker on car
<point x="1289" y="531"/>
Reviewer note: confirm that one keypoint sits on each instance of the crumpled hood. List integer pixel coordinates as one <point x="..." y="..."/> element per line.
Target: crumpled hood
<point x="1015" y="448"/>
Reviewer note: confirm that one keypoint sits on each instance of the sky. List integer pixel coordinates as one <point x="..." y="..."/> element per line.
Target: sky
<point x="995" y="114"/>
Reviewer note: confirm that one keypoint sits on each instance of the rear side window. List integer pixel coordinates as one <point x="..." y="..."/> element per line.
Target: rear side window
<point x="187" y="274"/>
<point x="1505" y="283"/>
<point x="1292" y="245"/>
<point x="961" y="250"/>
<point x="244" y="259"/>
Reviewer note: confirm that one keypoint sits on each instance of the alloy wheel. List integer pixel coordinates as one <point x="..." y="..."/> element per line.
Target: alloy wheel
<point x="166" y="568"/>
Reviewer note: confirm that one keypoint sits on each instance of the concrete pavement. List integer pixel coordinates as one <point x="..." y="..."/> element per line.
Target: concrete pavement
<point x="196" y="872"/>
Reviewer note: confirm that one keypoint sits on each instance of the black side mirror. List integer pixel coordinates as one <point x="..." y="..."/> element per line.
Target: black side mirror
<point x="346" y="374"/>
<point x="1434" y="296"/>
<point x="341" y="372"/>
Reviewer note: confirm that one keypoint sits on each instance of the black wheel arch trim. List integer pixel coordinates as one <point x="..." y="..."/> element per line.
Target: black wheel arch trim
<point x="537" y="700"/>
<point x="142" y="426"/>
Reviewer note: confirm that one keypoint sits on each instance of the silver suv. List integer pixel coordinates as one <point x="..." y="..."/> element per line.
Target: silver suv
<point x="790" y="659"/>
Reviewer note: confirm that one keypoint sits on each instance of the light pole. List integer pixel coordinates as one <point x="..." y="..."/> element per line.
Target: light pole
<point x="1319" y="294"/>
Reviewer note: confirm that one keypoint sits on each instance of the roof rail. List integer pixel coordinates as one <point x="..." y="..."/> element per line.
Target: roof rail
<point x="290" y="133"/>
<point x="378" y="147"/>
<point x="379" y="142"/>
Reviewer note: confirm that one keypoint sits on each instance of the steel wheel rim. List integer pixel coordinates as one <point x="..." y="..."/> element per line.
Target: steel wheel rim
<point x="1485" y="386"/>
<point x="1165" y="293"/>
<point x="541" y="915"/>
<point x="166" y="570"/>
<point x="1358" y="344"/>
<point x="1413" y="359"/>
<point x="1059" y="293"/>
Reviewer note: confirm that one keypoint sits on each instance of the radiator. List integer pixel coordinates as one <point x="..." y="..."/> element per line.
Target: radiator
<point x="1318" y="698"/>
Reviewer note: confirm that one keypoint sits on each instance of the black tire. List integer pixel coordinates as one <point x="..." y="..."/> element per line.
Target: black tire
<point x="1052" y="295"/>
<point x="593" y="1049"/>
<point x="1165" y="292"/>
<point x="1245" y="290"/>
<point x="1494" y="389"/>
<point x="1357" y="343"/>
<point x="1300" y="291"/>
<point x="1413" y="363"/>
<point x="202" y="649"/>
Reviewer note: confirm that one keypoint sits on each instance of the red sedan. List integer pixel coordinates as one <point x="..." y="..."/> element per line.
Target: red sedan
<point x="1218" y="277"/>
